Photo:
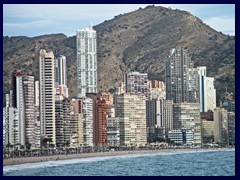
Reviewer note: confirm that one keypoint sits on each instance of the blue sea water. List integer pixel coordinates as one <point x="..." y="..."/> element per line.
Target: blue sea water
<point x="184" y="163"/>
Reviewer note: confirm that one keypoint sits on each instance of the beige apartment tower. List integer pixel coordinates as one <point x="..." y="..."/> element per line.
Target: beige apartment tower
<point x="47" y="95"/>
<point x="132" y="109"/>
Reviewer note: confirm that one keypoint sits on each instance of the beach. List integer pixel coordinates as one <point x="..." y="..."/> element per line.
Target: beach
<point x="23" y="160"/>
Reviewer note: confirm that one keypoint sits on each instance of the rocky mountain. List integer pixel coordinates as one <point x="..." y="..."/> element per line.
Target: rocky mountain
<point x="140" y="40"/>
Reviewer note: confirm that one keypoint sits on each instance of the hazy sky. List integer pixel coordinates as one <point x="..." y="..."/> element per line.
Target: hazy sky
<point x="38" y="19"/>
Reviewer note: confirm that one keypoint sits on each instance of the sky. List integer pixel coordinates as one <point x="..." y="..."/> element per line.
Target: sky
<point x="39" y="19"/>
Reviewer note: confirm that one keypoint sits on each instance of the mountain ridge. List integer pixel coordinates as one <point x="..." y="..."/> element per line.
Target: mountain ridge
<point x="139" y="40"/>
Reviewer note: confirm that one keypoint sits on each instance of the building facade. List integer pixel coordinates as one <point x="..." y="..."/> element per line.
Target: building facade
<point x="136" y="83"/>
<point x="231" y="127"/>
<point x="207" y="131"/>
<point x="180" y="77"/>
<point x="61" y="75"/>
<point x="113" y="131"/>
<point x="220" y="126"/>
<point x="181" y="137"/>
<point x="159" y="116"/>
<point x="132" y="109"/>
<point x="86" y="61"/>
<point x="47" y="95"/>
<point x="28" y="95"/>
<point x="76" y="123"/>
<point x="10" y="124"/>
<point x="100" y="124"/>
<point x="187" y="116"/>
<point x="207" y="92"/>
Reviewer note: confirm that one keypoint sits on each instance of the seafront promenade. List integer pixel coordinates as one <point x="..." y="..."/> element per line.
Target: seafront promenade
<point x="23" y="160"/>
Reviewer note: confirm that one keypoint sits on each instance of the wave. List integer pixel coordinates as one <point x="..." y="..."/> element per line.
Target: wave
<point x="95" y="159"/>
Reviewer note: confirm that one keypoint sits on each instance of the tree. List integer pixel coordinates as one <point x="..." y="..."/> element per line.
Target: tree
<point x="8" y="146"/>
<point x="28" y="145"/>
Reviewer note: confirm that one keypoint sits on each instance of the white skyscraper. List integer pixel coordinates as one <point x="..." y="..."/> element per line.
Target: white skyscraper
<point x="61" y="75"/>
<point x="207" y="92"/>
<point x="86" y="61"/>
<point x="47" y="93"/>
<point x="61" y="70"/>
<point x="20" y="106"/>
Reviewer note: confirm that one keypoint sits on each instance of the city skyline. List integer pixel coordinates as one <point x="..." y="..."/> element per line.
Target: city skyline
<point x="27" y="20"/>
<point x="141" y="114"/>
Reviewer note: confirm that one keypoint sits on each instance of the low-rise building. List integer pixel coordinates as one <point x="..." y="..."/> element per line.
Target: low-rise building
<point x="181" y="137"/>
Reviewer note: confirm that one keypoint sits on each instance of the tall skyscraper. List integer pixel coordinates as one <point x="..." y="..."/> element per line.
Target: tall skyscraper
<point x="19" y="102"/>
<point x="61" y="75"/>
<point x="177" y="74"/>
<point x="86" y="61"/>
<point x="61" y="70"/>
<point x="207" y="92"/>
<point x="28" y="95"/>
<point x="47" y="95"/>
<point x="23" y="100"/>
<point x="100" y="122"/>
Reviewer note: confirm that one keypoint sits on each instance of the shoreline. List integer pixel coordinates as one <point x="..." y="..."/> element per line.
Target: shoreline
<point x="24" y="160"/>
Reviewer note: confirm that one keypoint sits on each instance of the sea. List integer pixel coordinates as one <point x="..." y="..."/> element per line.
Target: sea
<point x="177" y="163"/>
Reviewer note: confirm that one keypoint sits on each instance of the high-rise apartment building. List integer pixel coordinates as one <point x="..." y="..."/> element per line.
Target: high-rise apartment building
<point x="159" y="115"/>
<point x="207" y="92"/>
<point x="76" y="123"/>
<point x="83" y="107"/>
<point x="87" y="109"/>
<point x="136" y="83"/>
<point x="28" y="95"/>
<point x="220" y="116"/>
<point x="61" y="75"/>
<point x="47" y="95"/>
<point x="187" y="116"/>
<point x="86" y="61"/>
<point x="132" y="109"/>
<point x="23" y="99"/>
<point x="61" y="70"/>
<point x="62" y="119"/>
<point x="19" y="102"/>
<point x="100" y="123"/>
<point x="179" y="77"/>
<point x="11" y="124"/>
<point x="113" y="131"/>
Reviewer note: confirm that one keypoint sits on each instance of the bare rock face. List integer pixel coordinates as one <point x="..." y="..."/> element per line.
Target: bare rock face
<point x="140" y="40"/>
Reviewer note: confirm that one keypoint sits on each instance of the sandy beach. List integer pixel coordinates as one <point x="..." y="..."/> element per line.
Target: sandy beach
<point x="14" y="161"/>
